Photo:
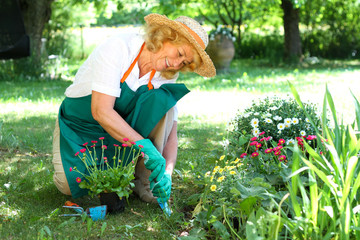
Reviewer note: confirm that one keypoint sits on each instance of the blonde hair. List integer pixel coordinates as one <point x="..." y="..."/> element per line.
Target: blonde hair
<point x="156" y="35"/>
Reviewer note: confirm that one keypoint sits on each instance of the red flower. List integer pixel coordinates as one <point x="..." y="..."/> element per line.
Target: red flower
<point x="124" y="145"/>
<point x="269" y="150"/>
<point x="70" y="169"/>
<point x="76" y="154"/>
<point x="311" y="137"/>
<point x="115" y="145"/>
<point x="101" y="138"/>
<point x="243" y="155"/>
<point x="258" y="145"/>
<point x="93" y="146"/>
<point x="254" y="154"/>
<point x="262" y="133"/>
<point x="263" y="139"/>
<point x="277" y="153"/>
<point x="253" y="138"/>
<point x="281" y="141"/>
<point x="78" y="180"/>
<point x="125" y="139"/>
<point x="142" y="154"/>
<point x="253" y="143"/>
<point x="93" y="141"/>
<point x="83" y="150"/>
<point x="85" y="144"/>
<point x="268" y="138"/>
<point x="141" y="146"/>
<point x="282" y="158"/>
<point x="132" y="143"/>
<point x="104" y="146"/>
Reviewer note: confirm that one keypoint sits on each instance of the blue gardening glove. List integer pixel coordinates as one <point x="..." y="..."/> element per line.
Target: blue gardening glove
<point x="162" y="188"/>
<point x="153" y="160"/>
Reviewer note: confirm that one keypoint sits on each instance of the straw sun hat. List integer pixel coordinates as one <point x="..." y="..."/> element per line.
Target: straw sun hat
<point x="193" y="32"/>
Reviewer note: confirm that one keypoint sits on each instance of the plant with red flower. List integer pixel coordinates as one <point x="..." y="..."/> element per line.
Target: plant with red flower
<point x="100" y="173"/>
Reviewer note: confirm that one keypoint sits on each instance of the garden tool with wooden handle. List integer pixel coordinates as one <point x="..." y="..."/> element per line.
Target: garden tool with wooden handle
<point x="95" y="213"/>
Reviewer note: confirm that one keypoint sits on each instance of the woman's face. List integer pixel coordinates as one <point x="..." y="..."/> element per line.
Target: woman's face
<point x="172" y="57"/>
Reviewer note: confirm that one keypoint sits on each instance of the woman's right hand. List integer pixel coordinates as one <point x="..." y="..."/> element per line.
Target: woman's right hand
<point x="153" y="160"/>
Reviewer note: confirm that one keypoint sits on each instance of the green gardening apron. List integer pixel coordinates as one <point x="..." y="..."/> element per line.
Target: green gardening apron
<point x="141" y="109"/>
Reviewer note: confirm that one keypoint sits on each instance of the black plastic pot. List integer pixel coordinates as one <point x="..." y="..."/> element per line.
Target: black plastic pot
<point x="113" y="202"/>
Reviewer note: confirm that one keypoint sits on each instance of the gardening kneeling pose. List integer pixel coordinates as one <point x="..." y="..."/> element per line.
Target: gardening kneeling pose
<point x="125" y="93"/>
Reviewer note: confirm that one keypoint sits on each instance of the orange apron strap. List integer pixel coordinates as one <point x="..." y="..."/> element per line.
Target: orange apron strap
<point x="150" y="86"/>
<point x="132" y="65"/>
<point x="126" y="74"/>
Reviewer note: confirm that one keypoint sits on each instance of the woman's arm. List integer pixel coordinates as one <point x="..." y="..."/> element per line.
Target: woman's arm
<point x="102" y="108"/>
<point x="170" y="149"/>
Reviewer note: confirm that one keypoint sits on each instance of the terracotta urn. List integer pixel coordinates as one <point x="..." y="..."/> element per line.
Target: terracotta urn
<point x="221" y="50"/>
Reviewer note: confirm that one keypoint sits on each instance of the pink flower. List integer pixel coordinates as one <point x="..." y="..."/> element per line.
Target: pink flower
<point x="311" y="137"/>
<point x="277" y="153"/>
<point x="279" y="147"/>
<point x="115" y="145"/>
<point x="142" y="154"/>
<point x="254" y="154"/>
<point x="78" y="180"/>
<point x="282" y="158"/>
<point x="269" y="150"/>
<point x="262" y="133"/>
<point x="101" y="138"/>
<point x="268" y="138"/>
<point x="76" y="154"/>
<point x="132" y="143"/>
<point x="141" y="146"/>
<point x="105" y="158"/>
<point x="124" y="145"/>
<point x="85" y="144"/>
<point x="70" y="169"/>
<point x="243" y="155"/>
<point x="281" y="141"/>
<point x="93" y="141"/>
<point x="258" y="145"/>
<point x="125" y="139"/>
<point x="253" y="143"/>
<point x="93" y="146"/>
<point x="104" y="146"/>
<point x="83" y="150"/>
<point x="253" y="138"/>
<point x="263" y="139"/>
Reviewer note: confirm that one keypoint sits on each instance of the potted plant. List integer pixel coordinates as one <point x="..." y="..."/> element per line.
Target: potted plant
<point x="221" y="47"/>
<point x="109" y="179"/>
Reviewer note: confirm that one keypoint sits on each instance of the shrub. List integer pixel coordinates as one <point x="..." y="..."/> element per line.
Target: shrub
<point x="278" y="118"/>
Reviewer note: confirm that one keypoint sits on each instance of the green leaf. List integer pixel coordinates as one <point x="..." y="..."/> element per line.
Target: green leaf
<point x="221" y="229"/>
<point x="357" y="110"/>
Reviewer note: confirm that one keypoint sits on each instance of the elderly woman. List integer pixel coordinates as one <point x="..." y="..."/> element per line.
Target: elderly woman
<point x="126" y="92"/>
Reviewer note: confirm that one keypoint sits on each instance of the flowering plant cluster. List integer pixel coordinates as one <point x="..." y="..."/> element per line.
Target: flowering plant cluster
<point x="280" y="118"/>
<point x="105" y="175"/>
<point x="222" y="31"/>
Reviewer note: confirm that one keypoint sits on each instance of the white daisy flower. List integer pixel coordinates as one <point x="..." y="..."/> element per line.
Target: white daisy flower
<point x="281" y="126"/>
<point x="268" y="120"/>
<point x="254" y="122"/>
<point x="287" y="125"/>
<point x="277" y="118"/>
<point x="256" y="114"/>
<point x="273" y="108"/>
<point x="279" y="132"/>
<point x="302" y="133"/>
<point x="247" y="114"/>
<point x="287" y="120"/>
<point x="307" y="120"/>
<point x="290" y="141"/>
<point x="268" y="115"/>
<point x="255" y="132"/>
<point x="295" y="121"/>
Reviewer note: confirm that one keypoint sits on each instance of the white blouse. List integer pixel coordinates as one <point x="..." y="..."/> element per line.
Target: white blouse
<point x="104" y="68"/>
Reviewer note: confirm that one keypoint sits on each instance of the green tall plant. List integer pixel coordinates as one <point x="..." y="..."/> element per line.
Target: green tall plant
<point x="328" y="200"/>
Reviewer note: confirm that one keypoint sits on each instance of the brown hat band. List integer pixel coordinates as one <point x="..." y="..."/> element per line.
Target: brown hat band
<point x="197" y="38"/>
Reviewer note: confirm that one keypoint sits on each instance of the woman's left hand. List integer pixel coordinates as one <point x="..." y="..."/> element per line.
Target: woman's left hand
<point x="162" y="188"/>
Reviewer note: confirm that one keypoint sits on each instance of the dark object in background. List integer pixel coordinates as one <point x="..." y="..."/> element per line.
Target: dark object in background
<point x="14" y="43"/>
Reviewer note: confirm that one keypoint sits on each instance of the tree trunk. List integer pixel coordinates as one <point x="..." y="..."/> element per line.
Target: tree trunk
<point x="292" y="42"/>
<point x="36" y="14"/>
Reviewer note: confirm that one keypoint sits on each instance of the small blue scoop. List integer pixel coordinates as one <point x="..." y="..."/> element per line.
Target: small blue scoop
<point x="95" y="213"/>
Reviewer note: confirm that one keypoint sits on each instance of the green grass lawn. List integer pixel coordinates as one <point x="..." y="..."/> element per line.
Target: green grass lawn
<point x="30" y="204"/>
